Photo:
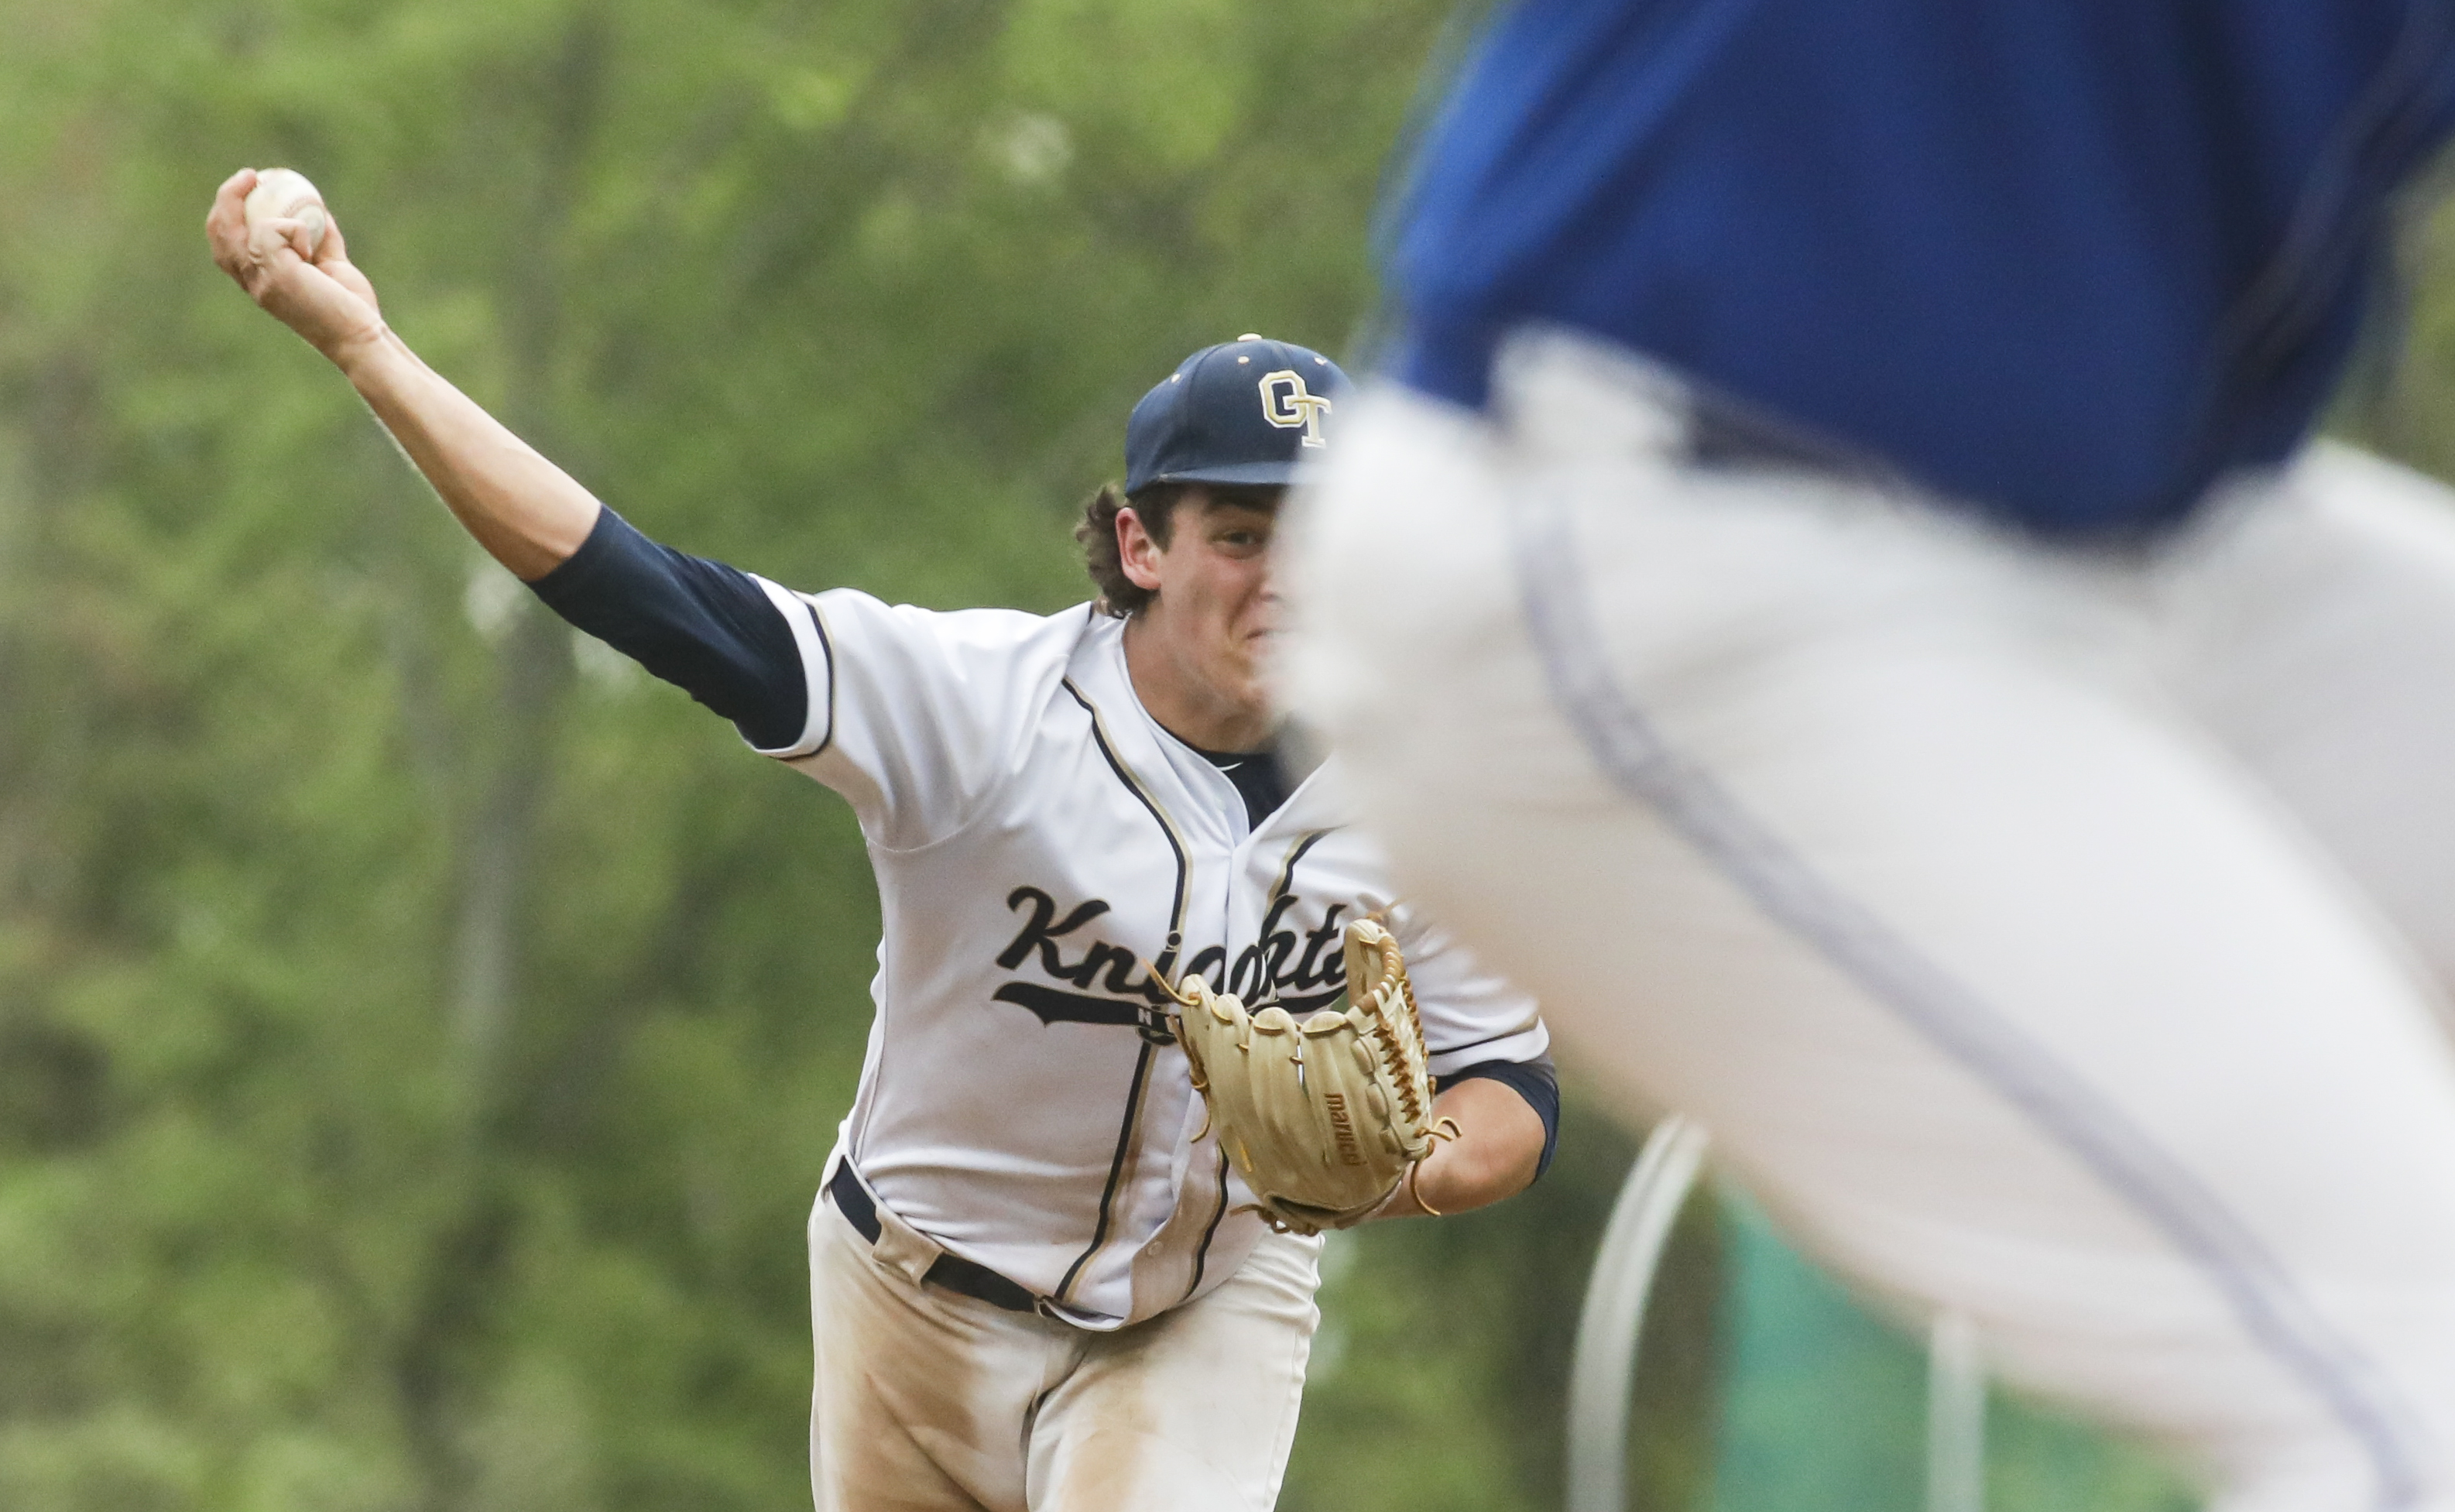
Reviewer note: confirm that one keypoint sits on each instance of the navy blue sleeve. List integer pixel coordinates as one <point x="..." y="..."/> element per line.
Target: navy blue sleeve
<point x="708" y="629"/>
<point x="1536" y="1080"/>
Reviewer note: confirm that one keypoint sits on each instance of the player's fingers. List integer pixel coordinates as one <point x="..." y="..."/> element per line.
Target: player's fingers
<point x="274" y="269"/>
<point x="229" y="201"/>
<point x="226" y="224"/>
<point x="263" y="249"/>
<point x="293" y="235"/>
<point x="334" y="248"/>
<point x="333" y="256"/>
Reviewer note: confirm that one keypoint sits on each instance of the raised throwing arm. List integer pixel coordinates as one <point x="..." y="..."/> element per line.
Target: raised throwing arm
<point x="527" y="512"/>
<point x="705" y="627"/>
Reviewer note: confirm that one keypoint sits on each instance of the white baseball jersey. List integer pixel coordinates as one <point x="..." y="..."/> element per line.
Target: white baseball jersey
<point x="1043" y="846"/>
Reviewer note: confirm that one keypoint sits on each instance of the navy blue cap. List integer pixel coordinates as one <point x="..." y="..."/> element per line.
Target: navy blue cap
<point x="1247" y="410"/>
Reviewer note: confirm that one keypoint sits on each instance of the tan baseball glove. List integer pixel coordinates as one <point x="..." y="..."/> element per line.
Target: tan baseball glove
<point x="1325" y="1116"/>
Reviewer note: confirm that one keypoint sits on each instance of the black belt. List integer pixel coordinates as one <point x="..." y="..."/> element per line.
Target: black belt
<point x="952" y="1272"/>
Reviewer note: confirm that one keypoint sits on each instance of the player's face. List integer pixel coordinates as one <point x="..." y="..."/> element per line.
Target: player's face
<point x="1208" y="634"/>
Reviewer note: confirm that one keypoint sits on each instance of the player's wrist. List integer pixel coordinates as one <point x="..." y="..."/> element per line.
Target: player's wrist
<point x="1413" y="1196"/>
<point x="362" y="351"/>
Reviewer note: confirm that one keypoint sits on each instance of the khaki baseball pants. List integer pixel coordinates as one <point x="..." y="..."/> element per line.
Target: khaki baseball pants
<point x="927" y="1400"/>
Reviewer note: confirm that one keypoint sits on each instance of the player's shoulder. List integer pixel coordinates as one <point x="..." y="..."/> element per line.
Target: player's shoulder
<point x="853" y="614"/>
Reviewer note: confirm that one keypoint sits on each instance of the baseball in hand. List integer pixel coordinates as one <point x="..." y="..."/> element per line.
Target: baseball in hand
<point x="283" y="192"/>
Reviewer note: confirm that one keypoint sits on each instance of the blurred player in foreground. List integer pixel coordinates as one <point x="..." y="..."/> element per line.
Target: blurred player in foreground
<point x="1840" y="601"/>
<point x="1036" y="1280"/>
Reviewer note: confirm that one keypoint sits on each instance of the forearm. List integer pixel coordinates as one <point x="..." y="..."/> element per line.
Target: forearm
<point x="1498" y="1149"/>
<point x="528" y="513"/>
<point x="522" y="509"/>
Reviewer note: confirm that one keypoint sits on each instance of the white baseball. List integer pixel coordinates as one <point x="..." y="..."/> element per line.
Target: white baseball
<point x="284" y="192"/>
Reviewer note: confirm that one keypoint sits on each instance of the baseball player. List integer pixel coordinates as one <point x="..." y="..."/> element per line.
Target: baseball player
<point x="1858" y="624"/>
<point x="1037" y="1282"/>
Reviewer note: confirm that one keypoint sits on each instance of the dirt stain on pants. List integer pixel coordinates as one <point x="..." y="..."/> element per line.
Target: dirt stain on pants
<point x="927" y="1400"/>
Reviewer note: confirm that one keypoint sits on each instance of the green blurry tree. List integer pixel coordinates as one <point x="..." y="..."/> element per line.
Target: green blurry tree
<point x="419" y="1035"/>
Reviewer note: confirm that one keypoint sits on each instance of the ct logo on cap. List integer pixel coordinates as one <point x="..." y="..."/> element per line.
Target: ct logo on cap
<point x="1288" y="404"/>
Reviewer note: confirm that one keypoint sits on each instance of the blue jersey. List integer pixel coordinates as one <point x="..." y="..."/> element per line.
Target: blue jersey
<point x="2068" y="260"/>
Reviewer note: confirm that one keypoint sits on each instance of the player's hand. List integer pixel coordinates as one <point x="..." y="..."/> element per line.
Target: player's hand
<point x="325" y="300"/>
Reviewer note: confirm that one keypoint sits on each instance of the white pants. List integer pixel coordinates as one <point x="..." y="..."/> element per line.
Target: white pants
<point x="2048" y="936"/>
<point x="928" y="1401"/>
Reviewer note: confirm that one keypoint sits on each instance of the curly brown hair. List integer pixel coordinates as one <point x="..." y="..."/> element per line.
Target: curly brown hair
<point x="1154" y="504"/>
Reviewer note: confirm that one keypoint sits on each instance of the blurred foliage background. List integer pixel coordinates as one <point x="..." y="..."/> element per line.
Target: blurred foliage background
<point x="420" y="1033"/>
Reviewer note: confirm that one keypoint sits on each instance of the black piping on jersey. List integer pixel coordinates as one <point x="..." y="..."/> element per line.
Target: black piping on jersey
<point x="1166" y="963"/>
<point x="1288" y="867"/>
<point x="827" y="650"/>
<point x="1210" y="1231"/>
<point x="1168" y="826"/>
<point x="1278" y="890"/>
<point x="1125" y="1132"/>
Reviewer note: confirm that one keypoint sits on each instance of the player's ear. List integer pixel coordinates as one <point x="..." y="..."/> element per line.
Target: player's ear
<point x="1137" y="552"/>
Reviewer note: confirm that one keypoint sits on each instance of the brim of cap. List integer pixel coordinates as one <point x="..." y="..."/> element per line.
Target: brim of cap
<point x="1249" y="474"/>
